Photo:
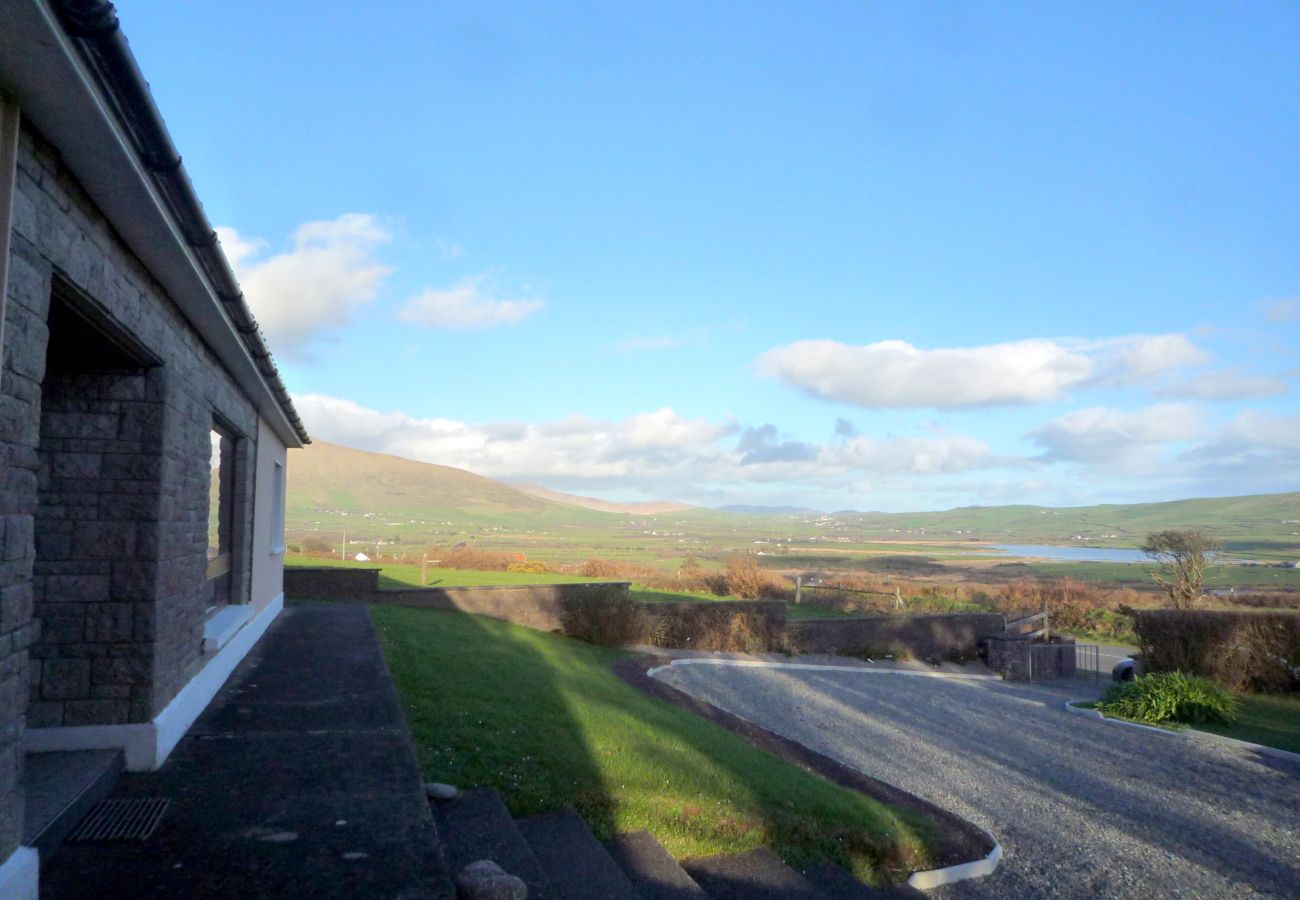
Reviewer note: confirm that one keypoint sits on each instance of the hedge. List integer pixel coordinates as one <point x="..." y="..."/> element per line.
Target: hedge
<point x="1245" y="651"/>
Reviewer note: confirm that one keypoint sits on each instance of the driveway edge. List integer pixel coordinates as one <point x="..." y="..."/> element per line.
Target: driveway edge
<point x="815" y="667"/>
<point x="926" y="879"/>
<point x="969" y="850"/>
<point x="1189" y="733"/>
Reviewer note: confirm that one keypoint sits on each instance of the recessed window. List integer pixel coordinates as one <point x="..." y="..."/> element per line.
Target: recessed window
<point x="277" y="508"/>
<point x="221" y="513"/>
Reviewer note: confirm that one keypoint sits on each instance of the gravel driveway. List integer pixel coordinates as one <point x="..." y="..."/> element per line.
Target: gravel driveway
<point x="1082" y="808"/>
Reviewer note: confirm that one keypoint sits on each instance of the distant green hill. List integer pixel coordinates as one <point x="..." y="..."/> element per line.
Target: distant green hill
<point x="330" y="479"/>
<point x="1260" y="522"/>
<point x="332" y="488"/>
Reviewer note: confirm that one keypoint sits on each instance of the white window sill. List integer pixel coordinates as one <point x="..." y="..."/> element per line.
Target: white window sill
<point x="223" y="625"/>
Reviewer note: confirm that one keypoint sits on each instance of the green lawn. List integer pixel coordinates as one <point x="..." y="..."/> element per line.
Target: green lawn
<point x="649" y="595"/>
<point x="396" y="575"/>
<point x="1139" y="574"/>
<point x="1269" y="719"/>
<point x="543" y="719"/>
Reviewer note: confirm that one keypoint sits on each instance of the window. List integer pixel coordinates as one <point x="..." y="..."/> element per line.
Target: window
<point x="277" y="508"/>
<point x="221" y="513"/>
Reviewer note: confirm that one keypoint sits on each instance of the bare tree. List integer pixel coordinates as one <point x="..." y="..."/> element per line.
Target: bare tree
<point x="1184" y="556"/>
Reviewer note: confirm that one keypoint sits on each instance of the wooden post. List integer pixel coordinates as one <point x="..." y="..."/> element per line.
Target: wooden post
<point x="424" y="569"/>
<point x="798" y="589"/>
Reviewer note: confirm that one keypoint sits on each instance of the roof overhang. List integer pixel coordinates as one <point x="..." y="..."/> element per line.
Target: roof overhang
<point x="58" y="93"/>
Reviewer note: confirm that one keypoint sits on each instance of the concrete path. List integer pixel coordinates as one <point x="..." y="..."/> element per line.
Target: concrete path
<point x="298" y="781"/>
<point x="1082" y="808"/>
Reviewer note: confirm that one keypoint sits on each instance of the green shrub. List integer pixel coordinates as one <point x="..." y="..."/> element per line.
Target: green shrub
<point x="1170" y="697"/>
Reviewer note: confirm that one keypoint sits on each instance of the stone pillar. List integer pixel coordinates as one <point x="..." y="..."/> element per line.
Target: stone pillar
<point x="96" y="572"/>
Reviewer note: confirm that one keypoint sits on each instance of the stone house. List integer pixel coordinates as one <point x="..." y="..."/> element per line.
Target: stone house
<point x="143" y="425"/>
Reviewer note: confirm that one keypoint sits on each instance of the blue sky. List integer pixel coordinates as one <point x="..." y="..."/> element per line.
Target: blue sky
<point x="848" y="255"/>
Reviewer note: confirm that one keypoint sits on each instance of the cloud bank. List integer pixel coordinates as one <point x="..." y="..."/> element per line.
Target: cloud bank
<point x="897" y="375"/>
<point x="659" y="452"/>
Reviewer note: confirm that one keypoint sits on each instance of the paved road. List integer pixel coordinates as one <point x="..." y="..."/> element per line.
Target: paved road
<point x="1082" y="808"/>
<point x="1106" y="657"/>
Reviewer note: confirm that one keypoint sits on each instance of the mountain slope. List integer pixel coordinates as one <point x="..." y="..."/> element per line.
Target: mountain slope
<point x="643" y="508"/>
<point x="330" y="477"/>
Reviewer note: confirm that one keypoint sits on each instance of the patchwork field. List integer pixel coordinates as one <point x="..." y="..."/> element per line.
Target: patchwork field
<point x="342" y="502"/>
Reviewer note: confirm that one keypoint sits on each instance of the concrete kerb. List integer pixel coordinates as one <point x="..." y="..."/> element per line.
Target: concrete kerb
<point x="925" y="879"/>
<point x="928" y="879"/>
<point x="817" y="667"/>
<point x="1188" y="733"/>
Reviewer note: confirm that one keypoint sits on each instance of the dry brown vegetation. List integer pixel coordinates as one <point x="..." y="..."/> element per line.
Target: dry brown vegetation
<point x="742" y="577"/>
<point x="474" y="558"/>
<point x="713" y="626"/>
<point x="1245" y="651"/>
<point x="611" y="618"/>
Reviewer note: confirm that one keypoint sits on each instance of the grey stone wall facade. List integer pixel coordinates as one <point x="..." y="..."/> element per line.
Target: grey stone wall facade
<point x="104" y="479"/>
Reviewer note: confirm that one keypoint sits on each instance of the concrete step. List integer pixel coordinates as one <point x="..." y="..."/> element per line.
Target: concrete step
<point x="577" y="866"/>
<point x="477" y="825"/>
<point x="752" y="875"/>
<point x="61" y="788"/>
<point x="838" y="884"/>
<point x="650" y="867"/>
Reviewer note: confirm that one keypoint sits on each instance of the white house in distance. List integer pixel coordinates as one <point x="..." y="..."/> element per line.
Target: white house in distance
<point x="135" y="387"/>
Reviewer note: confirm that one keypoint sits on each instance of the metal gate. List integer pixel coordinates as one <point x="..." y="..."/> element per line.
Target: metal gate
<point x="1064" y="661"/>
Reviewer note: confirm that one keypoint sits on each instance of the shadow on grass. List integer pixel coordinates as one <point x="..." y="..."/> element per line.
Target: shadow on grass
<point x="543" y="719"/>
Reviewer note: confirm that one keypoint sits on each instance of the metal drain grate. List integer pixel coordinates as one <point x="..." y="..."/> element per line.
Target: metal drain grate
<point x="121" y="820"/>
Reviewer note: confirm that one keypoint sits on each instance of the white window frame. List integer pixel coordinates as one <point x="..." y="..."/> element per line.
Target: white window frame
<point x="277" y="508"/>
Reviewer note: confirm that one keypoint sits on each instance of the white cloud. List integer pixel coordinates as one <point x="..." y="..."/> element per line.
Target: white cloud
<point x="894" y="374"/>
<point x="326" y="275"/>
<point x="1225" y="384"/>
<point x="1140" y="358"/>
<point x="897" y="375"/>
<point x="659" y="453"/>
<point x="466" y="305"/>
<point x="1103" y="436"/>
<point x="1255" y="443"/>
<point x="921" y="456"/>
<point x="1281" y="312"/>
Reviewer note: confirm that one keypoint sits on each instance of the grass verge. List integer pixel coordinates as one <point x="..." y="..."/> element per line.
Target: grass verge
<point x="543" y="719"/>
<point x="1272" y="720"/>
<point x="1269" y="719"/>
<point x="1163" y="726"/>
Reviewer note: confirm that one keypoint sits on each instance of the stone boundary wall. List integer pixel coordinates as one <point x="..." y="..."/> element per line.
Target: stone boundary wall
<point x="541" y="606"/>
<point x="328" y="583"/>
<point x="537" y="606"/>
<point x="774" y="610"/>
<point x="936" y="636"/>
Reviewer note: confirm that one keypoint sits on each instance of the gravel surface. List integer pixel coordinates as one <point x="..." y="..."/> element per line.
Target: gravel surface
<point x="1082" y="808"/>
